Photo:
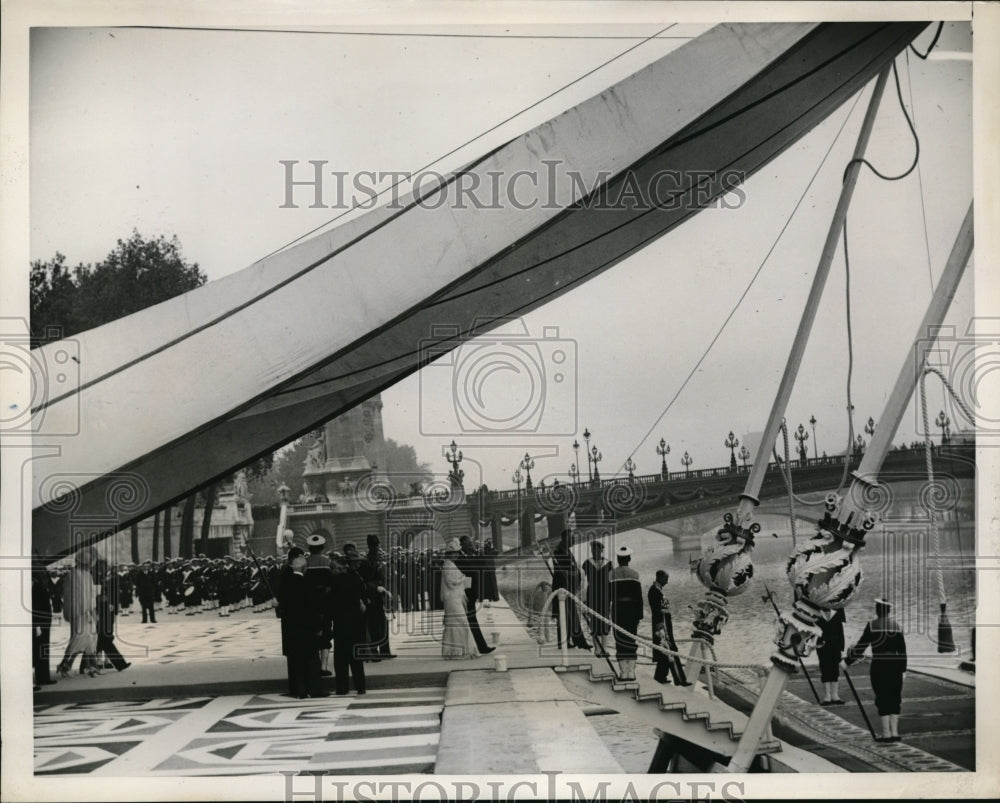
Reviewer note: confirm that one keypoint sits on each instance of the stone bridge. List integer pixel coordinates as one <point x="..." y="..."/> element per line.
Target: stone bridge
<point x="654" y="501"/>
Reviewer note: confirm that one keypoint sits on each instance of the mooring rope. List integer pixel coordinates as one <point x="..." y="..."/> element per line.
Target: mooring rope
<point x="641" y="639"/>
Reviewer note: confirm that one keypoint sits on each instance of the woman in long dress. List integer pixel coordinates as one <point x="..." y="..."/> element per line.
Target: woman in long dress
<point x="80" y="611"/>
<point x="597" y="570"/>
<point x="457" y="641"/>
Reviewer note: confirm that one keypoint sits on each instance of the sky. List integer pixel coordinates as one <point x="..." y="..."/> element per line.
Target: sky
<point x="181" y="132"/>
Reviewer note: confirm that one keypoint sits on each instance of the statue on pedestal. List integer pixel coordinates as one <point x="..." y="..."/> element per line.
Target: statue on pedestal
<point x="316" y="457"/>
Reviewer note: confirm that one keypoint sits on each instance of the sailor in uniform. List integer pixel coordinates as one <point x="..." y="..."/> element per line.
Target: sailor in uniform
<point x="626" y="611"/>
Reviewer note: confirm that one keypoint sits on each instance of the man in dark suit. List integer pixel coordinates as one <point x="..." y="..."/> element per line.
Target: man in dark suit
<point x="565" y="574"/>
<point x="301" y="630"/>
<point x="663" y="633"/>
<point x="349" y="632"/>
<point x="468" y="564"/>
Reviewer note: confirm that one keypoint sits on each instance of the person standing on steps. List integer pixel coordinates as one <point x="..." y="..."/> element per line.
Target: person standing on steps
<point x="597" y="570"/>
<point x="888" y="670"/>
<point x="830" y="652"/>
<point x="626" y="611"/>
<point x="566" y="575"/>
<point x="663" y="633"/>
<point x="468" y="564"/>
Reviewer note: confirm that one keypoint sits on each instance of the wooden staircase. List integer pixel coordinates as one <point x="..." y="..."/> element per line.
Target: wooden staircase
<point x="686" y="718"/>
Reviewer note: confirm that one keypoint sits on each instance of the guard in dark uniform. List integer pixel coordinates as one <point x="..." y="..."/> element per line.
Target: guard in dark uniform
<point x="145" y="587"/>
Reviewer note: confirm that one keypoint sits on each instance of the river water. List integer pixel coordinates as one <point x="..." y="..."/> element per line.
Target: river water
<point x="898" y="562"/>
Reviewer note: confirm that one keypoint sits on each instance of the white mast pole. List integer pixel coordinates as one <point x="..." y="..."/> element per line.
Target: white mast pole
<point x="829" y="579"/>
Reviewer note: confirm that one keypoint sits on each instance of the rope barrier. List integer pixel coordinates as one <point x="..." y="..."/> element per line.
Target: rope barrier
<point x="640" y="639"/>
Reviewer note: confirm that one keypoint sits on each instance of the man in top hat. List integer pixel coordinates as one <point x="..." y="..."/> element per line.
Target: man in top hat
<point x="468" y="564"/>
<point x="565" y="574"/>
<point x="349" y="607"/>
<point x="626" y="611"/>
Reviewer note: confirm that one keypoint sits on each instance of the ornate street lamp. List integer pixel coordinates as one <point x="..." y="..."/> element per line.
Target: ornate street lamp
<point x="576" y="453"/>
<point x="630" y="468"/>
<point x="456" y="474"/>
<point x="870" y="427"/>
<point x="812" y="422"/>
<point x="944" y="422"/>
<point x="802" y="436"/>
<point x="597" y="457"/>
<point x="731" y="443"/>
<point x="527" y="464"/>
<point x="516" y="478"/>
<point x="283" y="491"/>
<point x="663" y="450"/>
<point x="687" y="461"/>
<point x="586" y="439"/>
<point x="744" y="456"/>
<point x="574" y="472"/>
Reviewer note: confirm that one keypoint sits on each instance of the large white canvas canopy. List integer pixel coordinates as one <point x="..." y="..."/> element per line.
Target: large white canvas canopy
<point x="178" y="395"/>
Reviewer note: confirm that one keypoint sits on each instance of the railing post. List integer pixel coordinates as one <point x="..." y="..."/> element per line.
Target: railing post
<point x="563" y="632"/>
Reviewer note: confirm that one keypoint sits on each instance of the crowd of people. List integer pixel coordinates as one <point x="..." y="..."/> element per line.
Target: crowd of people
<point x="613" y="595"/>
<point x="339" y="602"/>
<point x="86" y="597"/>
<point x="91" y="593"/>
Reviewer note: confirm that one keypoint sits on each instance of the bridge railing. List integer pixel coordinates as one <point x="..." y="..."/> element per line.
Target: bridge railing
<point x="825" y="462"/>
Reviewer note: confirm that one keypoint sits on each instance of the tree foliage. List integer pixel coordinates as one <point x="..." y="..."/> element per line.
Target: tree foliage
<point x="138" y="273"/>
<point x="286" y="468"/>
<point x="403" y="466"/>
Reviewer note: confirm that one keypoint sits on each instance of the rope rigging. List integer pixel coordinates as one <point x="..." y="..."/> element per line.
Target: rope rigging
<point x="581" y="605"/>
<point x="937" y="35"/>
<point x="783" y="467"/>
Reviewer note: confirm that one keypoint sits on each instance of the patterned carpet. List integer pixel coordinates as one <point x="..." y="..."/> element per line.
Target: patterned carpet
<point x="393" y="730"/>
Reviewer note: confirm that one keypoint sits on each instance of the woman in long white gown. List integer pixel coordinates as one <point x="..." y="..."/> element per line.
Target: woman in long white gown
<point x="457" y="641"/>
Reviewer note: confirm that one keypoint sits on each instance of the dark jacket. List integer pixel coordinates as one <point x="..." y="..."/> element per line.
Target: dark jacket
<point x="626" y="595"/>
<point x="300" y="617"/>
<point x="145" y="587"/>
